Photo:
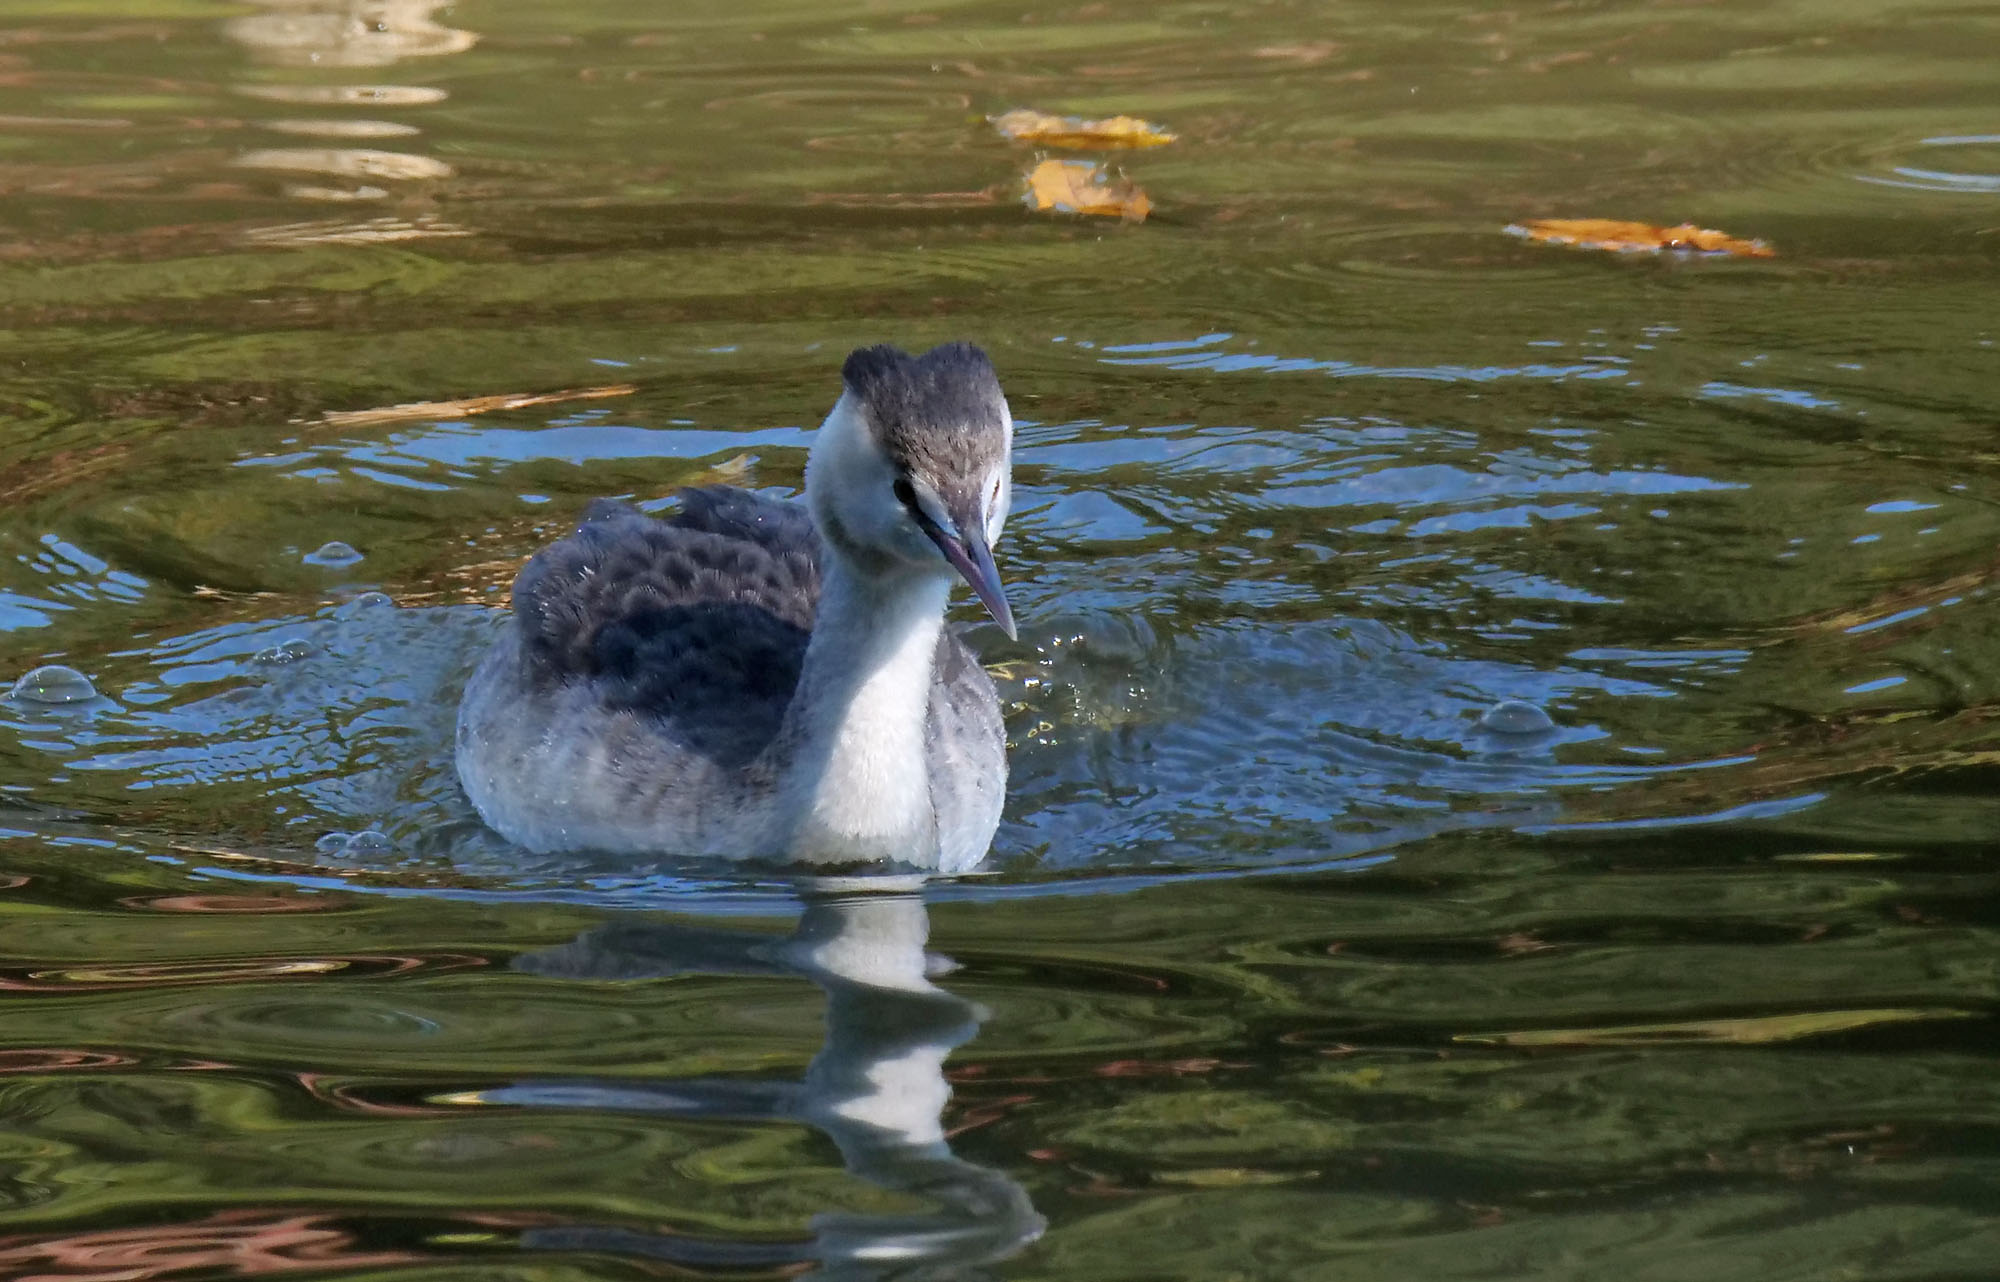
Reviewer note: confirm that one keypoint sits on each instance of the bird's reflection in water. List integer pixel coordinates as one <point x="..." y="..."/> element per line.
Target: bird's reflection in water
<point x="877" y="1086"/>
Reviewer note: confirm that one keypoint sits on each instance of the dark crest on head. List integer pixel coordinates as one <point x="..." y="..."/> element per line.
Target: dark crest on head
<point x="940" y="415"/>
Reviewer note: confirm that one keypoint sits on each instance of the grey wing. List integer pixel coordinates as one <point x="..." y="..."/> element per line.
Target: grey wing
<point x="685" y="622"/>
<point x="968" y="750"/>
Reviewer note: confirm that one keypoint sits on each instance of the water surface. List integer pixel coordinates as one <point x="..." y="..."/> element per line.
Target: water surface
<point x="1288" y="961"/>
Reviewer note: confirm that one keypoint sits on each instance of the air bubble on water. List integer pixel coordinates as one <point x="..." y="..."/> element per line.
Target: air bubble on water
<point x="54" y="683"/>
<point x="368" y="842"/>
<point x="361" y="603"/>
<point x="290" y="650"/>
<point x="1512" y="716"/>
<point x="334" y="556"/>
<point x="332" y="843"/>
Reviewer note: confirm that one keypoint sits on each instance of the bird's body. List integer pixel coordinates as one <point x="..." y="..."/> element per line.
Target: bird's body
<point x="755" y="678"/>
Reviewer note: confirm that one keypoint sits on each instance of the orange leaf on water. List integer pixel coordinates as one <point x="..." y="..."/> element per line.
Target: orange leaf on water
<point x="1079" y="187"/>
<point x="1627" y="237"/>
<point x="1026" y="125"/>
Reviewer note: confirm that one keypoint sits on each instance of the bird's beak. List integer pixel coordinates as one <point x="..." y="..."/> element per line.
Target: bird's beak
<point x="973" y="560"/>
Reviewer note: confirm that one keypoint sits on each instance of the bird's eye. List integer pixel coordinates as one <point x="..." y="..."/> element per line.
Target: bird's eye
<point x="906" y="494"/>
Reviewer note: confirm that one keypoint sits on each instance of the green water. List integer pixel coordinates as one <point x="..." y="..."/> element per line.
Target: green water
<point x="1285" y="965"/>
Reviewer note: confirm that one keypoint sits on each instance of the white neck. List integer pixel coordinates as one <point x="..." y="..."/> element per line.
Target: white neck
<point x="857" y="785"/>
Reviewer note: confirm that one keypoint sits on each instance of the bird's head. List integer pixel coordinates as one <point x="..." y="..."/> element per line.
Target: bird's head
<point x="911" y="470"/>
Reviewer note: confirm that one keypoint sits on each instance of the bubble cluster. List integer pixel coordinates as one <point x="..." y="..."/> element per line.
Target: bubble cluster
<point x="368" y="842"/>
<point x="290" y="650"/>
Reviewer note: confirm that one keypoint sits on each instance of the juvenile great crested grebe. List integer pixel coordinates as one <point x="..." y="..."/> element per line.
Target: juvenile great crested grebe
<point x="754" y="678"/>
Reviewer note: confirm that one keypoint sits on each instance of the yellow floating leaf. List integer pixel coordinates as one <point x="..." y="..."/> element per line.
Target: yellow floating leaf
<point x="1627" y="237"/>
<point x="470" y="405"/>
<point x="1224" y="1177"/>
<point x="730" y="471"/>
<point x="1080" y="187"/>
<point x="1305" y="52"/>
<point x="1751" y="1031"/>
<point x="1838" y="857"/>
<point x="1025" y="125"/>
<point x="191" y="972"/>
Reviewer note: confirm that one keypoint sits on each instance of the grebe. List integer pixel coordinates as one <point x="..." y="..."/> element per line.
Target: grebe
<point x="755" y="678"/>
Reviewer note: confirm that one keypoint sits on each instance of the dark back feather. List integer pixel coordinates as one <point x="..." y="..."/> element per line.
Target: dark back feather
<point x="700" y="621"/>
